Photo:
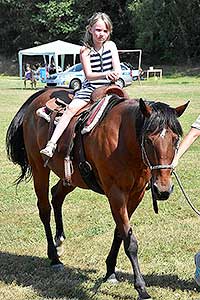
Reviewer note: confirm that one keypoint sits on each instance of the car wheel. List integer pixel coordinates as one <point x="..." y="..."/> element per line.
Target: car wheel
<point x="121" y="83"/>
<point x="75" y="84"/>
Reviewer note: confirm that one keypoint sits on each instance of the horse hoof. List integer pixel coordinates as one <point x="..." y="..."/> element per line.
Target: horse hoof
<point x="112" y="279"/>
<point x="58" y="267"/>
<point x="145" y="296"/>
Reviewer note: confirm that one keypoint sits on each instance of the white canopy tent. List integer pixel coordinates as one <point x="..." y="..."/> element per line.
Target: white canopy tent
<point x="53" y="49"/>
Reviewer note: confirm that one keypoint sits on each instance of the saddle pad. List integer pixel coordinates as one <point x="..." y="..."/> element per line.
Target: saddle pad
<point x="98" y="111"/>
<point x="96" y="114"/>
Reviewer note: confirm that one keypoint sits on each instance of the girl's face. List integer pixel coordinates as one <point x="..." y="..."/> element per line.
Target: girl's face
<point x="99" y="32"/>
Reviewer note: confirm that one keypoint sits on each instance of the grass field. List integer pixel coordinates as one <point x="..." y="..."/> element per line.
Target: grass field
<point x="167" y="241"/>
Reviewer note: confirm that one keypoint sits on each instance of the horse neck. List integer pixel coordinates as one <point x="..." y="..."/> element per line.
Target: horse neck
<point x="130" y="131"/>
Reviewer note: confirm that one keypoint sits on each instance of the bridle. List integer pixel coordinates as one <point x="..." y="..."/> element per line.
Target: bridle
<point x="147" y="161"/>
<point x="170" y="166"/>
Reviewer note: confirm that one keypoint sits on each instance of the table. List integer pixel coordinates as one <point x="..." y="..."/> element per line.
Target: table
<point x="155" y="72"/>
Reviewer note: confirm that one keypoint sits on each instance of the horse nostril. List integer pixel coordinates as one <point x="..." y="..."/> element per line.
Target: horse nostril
<point x="162" y="194"/>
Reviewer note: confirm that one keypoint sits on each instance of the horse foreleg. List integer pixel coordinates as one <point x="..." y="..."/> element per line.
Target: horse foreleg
<point x="112" y="257"/>
<point x="41" y="184"/>
<point x="59" y="191"/>
<point x="131" y="250"/>
<point x="118" y="202"/>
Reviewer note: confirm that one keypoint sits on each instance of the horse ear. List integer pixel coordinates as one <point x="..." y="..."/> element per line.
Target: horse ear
<point x="180" y="109"/>
<point x="145" y="108"/>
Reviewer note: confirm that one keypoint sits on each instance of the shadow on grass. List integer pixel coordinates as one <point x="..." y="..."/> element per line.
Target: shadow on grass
<point x="163" y="281"/>
<point x="35" y="272"/>
<point x="154" y="280"/>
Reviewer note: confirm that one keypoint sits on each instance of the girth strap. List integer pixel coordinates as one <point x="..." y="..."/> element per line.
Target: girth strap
<point x="85" y="168"/>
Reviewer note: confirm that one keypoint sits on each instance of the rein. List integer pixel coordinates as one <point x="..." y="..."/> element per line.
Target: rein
<point x="185" y="195"/>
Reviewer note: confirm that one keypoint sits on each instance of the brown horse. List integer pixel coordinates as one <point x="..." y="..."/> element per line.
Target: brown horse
<point x="134" y="143"/>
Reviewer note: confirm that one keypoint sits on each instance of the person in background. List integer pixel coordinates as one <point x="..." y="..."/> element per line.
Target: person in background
<point x="37" y="71"/>
<point x="188" y="140"/>
<point x="29" y="75"/>
<point x="52" y="69"/>
<point x="101" y="65"/>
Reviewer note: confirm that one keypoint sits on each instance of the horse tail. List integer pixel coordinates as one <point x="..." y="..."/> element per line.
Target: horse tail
<point x="15" y="145"/>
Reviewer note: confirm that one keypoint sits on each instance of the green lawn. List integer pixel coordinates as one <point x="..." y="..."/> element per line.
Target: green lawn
<point x="167" y="241"/>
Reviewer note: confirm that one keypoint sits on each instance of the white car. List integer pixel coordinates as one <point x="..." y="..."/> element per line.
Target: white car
<point x="74" y="76"/>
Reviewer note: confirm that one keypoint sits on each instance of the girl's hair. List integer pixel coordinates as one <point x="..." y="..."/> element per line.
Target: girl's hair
<point x="88" y="41"/>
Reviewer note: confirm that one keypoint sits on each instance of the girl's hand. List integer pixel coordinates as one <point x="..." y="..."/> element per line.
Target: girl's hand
<point x="112" y="76"/>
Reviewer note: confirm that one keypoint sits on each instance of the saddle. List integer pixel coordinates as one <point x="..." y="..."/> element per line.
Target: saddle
<point x="85" y="117"/>
<point x="58" y="105"/>
<point x="55" y="107"/>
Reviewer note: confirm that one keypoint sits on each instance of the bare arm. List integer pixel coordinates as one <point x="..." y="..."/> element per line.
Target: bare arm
<point x="188" y="140"/>
<point x="115" y="59"/>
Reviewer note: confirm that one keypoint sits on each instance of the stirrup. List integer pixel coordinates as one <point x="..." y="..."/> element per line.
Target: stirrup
<point x="49" y="149"/>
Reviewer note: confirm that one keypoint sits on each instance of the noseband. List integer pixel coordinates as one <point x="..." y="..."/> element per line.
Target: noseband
<point x="147" y="161"/>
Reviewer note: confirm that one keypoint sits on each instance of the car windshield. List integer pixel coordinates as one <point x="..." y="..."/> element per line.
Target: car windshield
<point x="76" y="68"/>
<point x="123" y="67"/>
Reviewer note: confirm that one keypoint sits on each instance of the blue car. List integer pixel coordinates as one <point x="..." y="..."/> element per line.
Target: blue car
<point x="74" y="76"/>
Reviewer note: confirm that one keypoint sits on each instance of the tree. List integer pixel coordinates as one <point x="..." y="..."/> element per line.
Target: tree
<point x="166" y="29"/>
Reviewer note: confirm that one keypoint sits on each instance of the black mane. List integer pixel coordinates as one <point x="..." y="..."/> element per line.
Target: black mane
<point x="162" y="116"/>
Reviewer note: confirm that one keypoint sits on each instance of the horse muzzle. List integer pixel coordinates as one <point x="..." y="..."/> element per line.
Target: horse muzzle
<point x="161" y="193"/>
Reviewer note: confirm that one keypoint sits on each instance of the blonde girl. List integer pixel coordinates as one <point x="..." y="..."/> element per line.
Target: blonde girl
<point x="101" y="65"/>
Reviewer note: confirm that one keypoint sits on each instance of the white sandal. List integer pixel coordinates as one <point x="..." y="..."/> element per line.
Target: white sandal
<point x="49" y="149"/>
<point x="41" y="113"/>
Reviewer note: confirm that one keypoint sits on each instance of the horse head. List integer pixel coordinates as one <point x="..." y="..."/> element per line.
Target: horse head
<point x="159" y="142"/>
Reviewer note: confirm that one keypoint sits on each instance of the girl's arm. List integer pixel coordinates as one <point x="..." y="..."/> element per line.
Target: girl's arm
<point x="115" y="58"/>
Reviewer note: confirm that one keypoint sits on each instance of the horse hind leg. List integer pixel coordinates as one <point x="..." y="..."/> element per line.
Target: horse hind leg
<point x="41" y="184"/>
<point x="59" y="191"/>
<point x="111" y="260"/>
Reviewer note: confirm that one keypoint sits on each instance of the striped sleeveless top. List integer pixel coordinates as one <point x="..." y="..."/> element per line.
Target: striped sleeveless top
<point x="99" y="63"/>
